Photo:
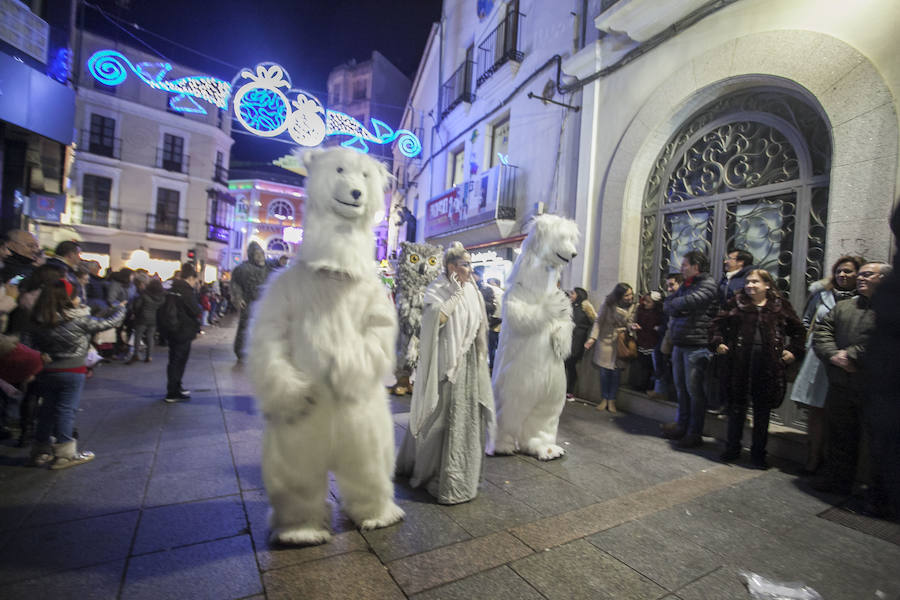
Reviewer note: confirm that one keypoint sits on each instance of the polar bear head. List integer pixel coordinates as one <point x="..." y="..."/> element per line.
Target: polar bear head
<point x="345" y="194"/>
<point x="345" y="183"/>
<point x="551" y="241"/>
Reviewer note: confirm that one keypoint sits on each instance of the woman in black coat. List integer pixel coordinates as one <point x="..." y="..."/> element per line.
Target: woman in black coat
<point x="760" y="334"/>
<point x="583" y="314"/>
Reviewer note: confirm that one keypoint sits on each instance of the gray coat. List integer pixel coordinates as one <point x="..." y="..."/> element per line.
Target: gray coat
<point x="848" y="327"/>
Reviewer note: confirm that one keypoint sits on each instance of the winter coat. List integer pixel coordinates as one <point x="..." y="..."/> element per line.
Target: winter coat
<point x="189" y="311"/>
<point x="68" y="343"/>
<point x="70" y="276"/>
<point x="15" y="265"/>
<point x="605" y="331"/>
<point x="584" y="316"/>
<point x="811" y="384"/>
<point x="848" y="327"/>
<point x="651" y="322"/>
<point x="116" y="293"/>
<point x="247" y="278"/>
<point x="780" y="329"/>
<point x="692" y="309"/>
<point x="729" y="287"/>
<point x="145" y="309"/>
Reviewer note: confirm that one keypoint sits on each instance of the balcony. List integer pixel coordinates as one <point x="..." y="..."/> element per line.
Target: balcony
<point x="111" y="217"/>
<point x="484" y="201"/>
<point x="458" y="88"/>
<point x="169" y="226"/>
<point x="500" y="46"/>
<point x="101" y="146"/>
<point x="220" y="174"/>
<point x="176" y="163"/>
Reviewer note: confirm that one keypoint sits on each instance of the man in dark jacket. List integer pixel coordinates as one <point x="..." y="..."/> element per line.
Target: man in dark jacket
<point x="23" y="253"/>
<point x="841" y="341"/>
<point x="737" y="265"/>
<point x="691" y="309"/>
<point x="180" y="336"/>
<point x="246" y="281"/>
<point x="68" y="258"/>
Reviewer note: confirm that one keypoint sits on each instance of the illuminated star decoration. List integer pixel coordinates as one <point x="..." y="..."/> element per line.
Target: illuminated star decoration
<point x="111" y="68"/>
<point x="264" y="107"/>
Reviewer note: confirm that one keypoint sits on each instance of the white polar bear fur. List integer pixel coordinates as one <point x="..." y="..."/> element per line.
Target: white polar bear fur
<point x="322" y="341"/>
<point x="529" y="378"/>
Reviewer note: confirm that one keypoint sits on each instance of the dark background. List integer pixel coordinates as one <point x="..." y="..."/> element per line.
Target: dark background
<point x="307" y="37"/>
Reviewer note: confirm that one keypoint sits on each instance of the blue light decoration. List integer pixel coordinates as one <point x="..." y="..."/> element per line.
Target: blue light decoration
<point x="110" y="67"/>
<point x="262" y="105"/>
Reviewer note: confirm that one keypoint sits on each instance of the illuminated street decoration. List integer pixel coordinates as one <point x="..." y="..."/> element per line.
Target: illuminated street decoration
<point x="111" y="68"/>
<point x="265" y="105"/>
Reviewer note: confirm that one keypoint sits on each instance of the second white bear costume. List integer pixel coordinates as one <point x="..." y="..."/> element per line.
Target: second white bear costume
<point x="535" y="339"/>
<point x="322" y="342"/>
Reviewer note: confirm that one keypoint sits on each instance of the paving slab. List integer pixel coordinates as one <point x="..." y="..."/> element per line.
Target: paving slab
<point x="424" y="528"/>
<point x="581" y="570"/>
<point x="501" y="583"/>
<point x="357" y="575"/>
<point x="98" y="582"/>
<point x="492" y="510"/>
<point x="222" y="569"/>
<point x="189" y="523"/>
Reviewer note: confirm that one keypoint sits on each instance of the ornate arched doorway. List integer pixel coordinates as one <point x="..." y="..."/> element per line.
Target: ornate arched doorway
<point x="749" y="170"/>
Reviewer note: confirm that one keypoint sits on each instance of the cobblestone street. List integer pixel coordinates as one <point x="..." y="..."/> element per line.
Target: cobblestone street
<point x="174" y="507"/>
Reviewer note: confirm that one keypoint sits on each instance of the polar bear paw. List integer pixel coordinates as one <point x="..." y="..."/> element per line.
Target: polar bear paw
<point x="392" y="514"/>
<point x="549" y="452"/>
<point x="504" y="447"/>
<point x="300" y="536"/>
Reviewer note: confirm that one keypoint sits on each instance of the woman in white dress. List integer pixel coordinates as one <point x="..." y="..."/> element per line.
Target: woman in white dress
<point x="452" y="410"/>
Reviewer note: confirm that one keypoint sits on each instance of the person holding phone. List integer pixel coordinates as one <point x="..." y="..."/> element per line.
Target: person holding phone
<point x="452" y="408"/>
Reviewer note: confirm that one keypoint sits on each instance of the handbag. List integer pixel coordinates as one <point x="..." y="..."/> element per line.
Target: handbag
<point x="626" y="346"/>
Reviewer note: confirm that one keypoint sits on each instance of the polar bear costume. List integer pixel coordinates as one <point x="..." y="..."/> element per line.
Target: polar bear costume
<point x="322" y="342"/>
<point x="529" y="377"/>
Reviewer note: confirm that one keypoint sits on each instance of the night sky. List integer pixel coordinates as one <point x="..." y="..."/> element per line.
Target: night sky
<point x="308" y="38"/>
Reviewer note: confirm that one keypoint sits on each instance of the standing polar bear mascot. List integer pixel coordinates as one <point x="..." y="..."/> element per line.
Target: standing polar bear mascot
<point x="536" y="337"/>
<point x="322" y="342"/>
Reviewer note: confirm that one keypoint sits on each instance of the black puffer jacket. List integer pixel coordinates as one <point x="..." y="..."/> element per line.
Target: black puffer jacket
<point x="146" y="307"/>
<point x="68" y="342"/>
<point x="692" y="309"/>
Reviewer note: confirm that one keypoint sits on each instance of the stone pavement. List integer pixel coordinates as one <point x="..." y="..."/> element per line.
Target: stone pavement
<point x="173" y="507"/>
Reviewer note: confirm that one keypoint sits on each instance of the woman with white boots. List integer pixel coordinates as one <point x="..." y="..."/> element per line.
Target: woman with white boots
<point x="62" y="329"/>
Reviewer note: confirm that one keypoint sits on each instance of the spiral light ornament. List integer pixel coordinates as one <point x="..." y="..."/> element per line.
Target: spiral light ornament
<point x="109" y="67"/>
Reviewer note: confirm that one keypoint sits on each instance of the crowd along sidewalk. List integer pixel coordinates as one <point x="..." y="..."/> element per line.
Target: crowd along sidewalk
<point x="173" y="507"/>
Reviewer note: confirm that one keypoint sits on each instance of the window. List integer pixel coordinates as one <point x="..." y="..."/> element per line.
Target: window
<point x="456" y="172"/>
<point x="220" y="119"/>
<point x="281" y="210"/>
<point x="172" y="153"/>
<point x="102" y="134"/>
<point x="167" y="211"/>
<point x="277" y="246"/>
<point x="95" y="195"/>
<point x="220" y="174"/>
<point x="221" y="216"/>
<point x="499" y="141"/>
<point x="359" y="89"/>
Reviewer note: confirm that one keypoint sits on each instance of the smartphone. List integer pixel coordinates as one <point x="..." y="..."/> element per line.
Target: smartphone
<point x="16" y="280"/>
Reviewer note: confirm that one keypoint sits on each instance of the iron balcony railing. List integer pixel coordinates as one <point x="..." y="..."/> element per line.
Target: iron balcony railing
<point x="220" y="174"/>
<point x="458" y="88"/>
<point x="100" y="145"/>
<point x="101" y="217"/>
<point x="500" y="46"/>
<point x="167" y="226"/>
<point x="177" y="163"/>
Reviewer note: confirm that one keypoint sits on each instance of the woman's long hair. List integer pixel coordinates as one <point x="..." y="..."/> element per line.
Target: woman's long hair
<point x="54" y="299"/>
<point x="615" y="297"/>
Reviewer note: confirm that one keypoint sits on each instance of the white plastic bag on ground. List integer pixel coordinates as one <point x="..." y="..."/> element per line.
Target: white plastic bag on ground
<point x="764" y="589"/>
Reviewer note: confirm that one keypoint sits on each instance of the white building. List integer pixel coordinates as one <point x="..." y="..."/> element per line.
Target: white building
<point x="492" y="155"/>
<point x="760" y="124"/>
<point x="146" y="177"/>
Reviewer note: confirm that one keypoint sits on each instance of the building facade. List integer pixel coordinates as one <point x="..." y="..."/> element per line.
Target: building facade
<point x="372" y="89"/>
<point x="706" y="125"/>
<point x="37" y="109"/>
<point x="147" y="178"/>
<point x="269" y="211"/>
<point x="492" y="147"/>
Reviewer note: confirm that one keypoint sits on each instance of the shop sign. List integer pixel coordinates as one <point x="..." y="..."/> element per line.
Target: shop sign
<point x="468" y="204"/>
<point x="47" y="207"/>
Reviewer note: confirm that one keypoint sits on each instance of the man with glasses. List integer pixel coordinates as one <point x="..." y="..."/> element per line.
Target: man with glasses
<point x="840" y="341"/>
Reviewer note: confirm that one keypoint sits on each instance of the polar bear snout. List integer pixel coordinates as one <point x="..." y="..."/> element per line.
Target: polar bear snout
<point x="356" y="194"/>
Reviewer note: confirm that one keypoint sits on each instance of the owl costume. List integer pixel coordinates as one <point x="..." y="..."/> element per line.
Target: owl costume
<point x="418" y="266"/>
